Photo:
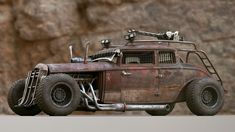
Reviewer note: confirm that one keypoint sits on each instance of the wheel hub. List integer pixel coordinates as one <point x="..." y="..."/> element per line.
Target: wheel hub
<point x="59" y="95"/>
<point x="209" y="96"/>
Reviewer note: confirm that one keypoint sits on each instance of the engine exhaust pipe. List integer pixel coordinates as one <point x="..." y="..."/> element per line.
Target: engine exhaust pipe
<point x="127" y="107"/>
<point x="71" y="51"/>
<point x="131" y="107"/>
<point x="86" y="52"/>
<point x="118" y="106"/>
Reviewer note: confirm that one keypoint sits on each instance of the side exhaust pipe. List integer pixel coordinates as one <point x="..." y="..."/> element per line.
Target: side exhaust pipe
<point x="118" y="106"/>
<point x="131" y="107"/>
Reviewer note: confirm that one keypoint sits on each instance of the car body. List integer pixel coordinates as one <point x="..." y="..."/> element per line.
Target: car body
<point x="150" y="75"/>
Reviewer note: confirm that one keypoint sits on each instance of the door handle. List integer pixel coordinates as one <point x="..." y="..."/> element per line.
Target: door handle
<point x="159" y="76"/>
<point x="126" y="73"/>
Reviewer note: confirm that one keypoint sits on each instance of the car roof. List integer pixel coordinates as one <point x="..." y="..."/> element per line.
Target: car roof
<point x="146" y="45"/>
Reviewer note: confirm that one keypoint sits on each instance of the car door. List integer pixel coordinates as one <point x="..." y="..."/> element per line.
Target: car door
<point x="113" y="85"/>
<point x="138" y="77"/>
<point x="170" y="76"/>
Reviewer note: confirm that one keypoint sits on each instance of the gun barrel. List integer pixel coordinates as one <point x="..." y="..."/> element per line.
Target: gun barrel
<point x="161" y="36"/>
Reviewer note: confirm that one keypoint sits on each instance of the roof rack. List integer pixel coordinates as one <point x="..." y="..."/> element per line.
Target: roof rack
<point x="168" y="37"/>
<point x="170" y="41"/>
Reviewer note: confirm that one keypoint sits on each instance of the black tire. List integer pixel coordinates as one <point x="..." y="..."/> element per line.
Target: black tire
<point x="161" y="112"/>
<point x="204" y="96"/>
<point x="14" y="94"/>
<point x="58" y="95"/>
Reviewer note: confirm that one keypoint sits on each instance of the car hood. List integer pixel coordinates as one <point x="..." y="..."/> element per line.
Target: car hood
<point x="78" y="67"/>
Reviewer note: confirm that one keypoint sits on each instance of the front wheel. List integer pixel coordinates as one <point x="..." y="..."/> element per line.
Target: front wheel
<point x="15" y="93"/>
<point x="161" y="112"/>
<point x="205" y="96"/>
<point x="58" y="95"/>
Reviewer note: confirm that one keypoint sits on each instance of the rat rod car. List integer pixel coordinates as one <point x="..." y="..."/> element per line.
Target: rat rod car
<point x="148" y="75"/>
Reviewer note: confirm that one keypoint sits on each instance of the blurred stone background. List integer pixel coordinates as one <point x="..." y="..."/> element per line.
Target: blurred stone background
<point x="33" y="31"/>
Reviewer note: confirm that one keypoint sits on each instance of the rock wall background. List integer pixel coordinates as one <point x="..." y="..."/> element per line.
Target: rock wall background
<point x="33" y="31"/>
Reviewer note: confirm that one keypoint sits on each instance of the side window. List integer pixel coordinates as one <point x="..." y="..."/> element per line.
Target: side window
<point x="142" y="57"/>
<point x="166" y="57"/>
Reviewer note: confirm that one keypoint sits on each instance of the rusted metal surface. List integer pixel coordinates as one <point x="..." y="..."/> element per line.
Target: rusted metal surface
<point x="113" y="85"/>
<point x="170" y="82"/>
<point x="80" y="67"/>
<point x="137" y="83"/>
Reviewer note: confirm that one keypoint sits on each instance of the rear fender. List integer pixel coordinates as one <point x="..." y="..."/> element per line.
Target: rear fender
<point x="181" y="97"/>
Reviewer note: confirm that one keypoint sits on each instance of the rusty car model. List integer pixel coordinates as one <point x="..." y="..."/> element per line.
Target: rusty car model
<point x="142" y="75"/>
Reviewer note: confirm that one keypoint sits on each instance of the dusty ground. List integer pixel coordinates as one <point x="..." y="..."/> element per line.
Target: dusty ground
<point x="117" y="124"/>
<point x="33" y="31"/>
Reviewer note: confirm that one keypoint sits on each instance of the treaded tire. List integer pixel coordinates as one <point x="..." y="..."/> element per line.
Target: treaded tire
<point x="14" y="94"/>
<point x="199" y="101"/>
<point x="161" y="112"/>
<point x="58" y="95"/>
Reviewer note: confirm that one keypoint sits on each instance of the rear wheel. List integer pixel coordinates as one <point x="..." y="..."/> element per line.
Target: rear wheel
<point x="58" y="95"/>
<point x="15" y="93"/>
<point x="161" y="112"/>
<point x="205" y="96"/>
